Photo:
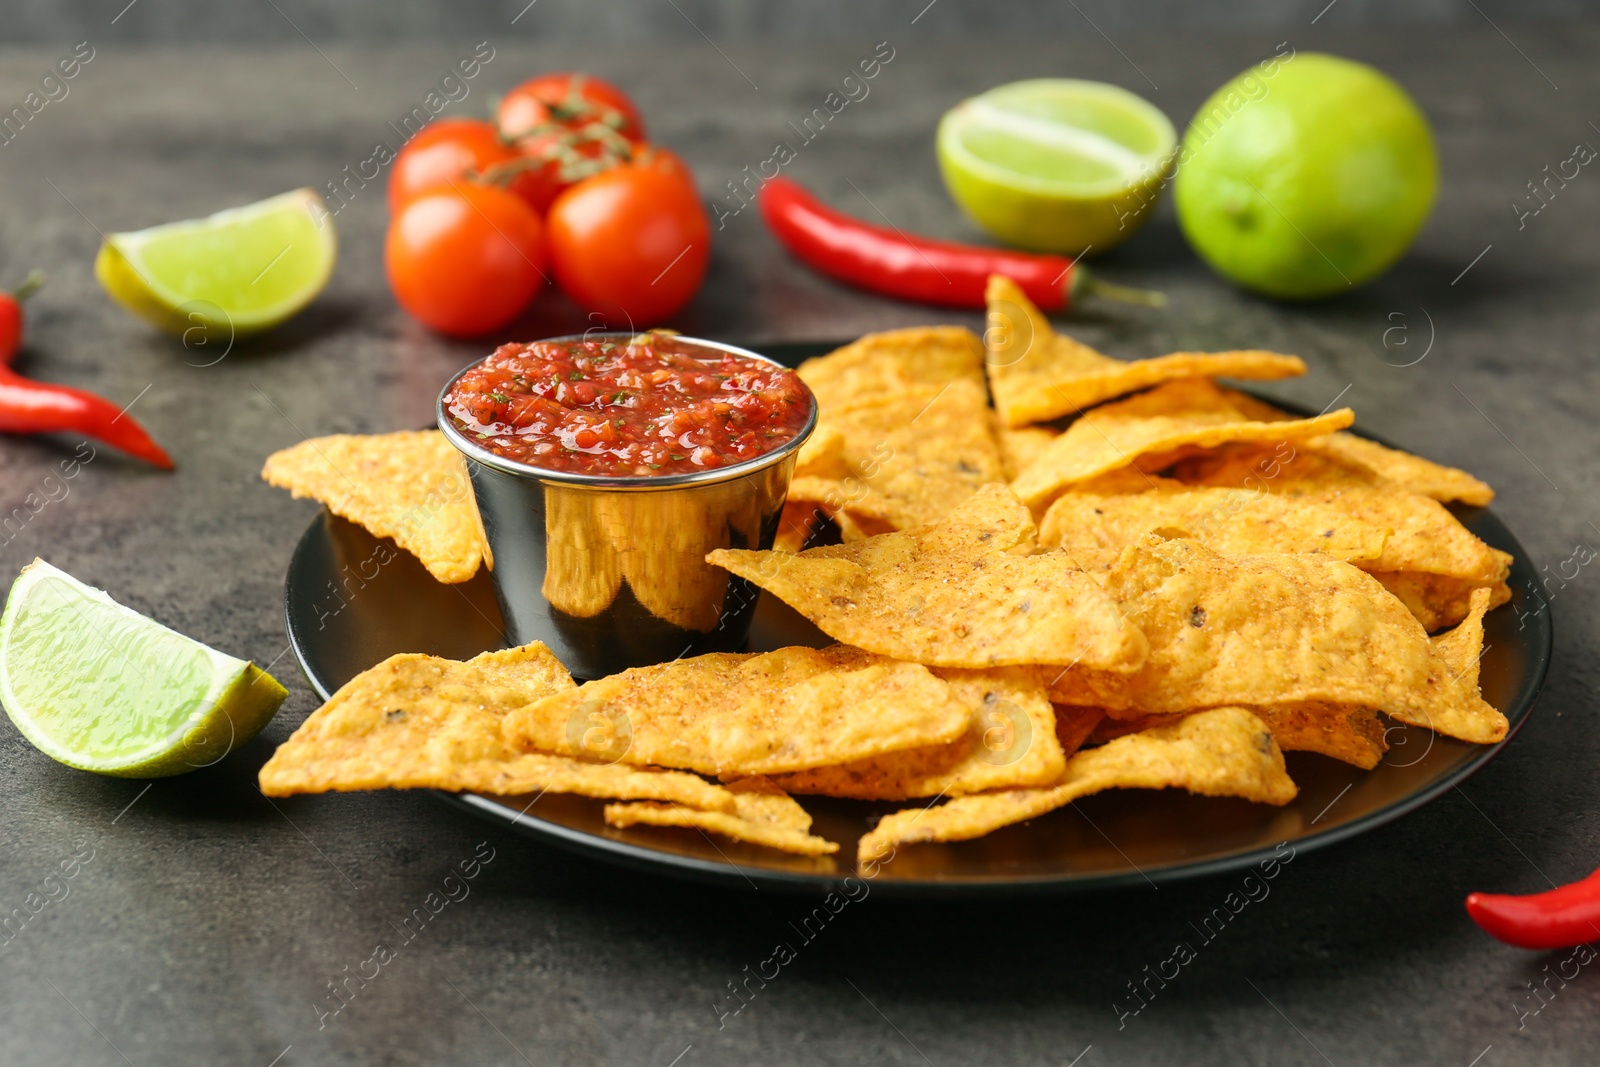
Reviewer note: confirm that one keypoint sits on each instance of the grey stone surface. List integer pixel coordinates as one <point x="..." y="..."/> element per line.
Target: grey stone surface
<point x="358" y="22"/>
<point x="207" y="924"/>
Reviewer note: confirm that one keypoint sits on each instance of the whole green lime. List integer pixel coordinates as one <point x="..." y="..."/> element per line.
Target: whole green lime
<point x="1305" y="176"/>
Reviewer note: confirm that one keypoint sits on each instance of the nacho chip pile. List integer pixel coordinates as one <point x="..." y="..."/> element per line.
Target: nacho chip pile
<point x="1117" y="575"/>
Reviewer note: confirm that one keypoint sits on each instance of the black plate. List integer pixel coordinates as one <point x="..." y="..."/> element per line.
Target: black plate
<point x="341" y="622"/>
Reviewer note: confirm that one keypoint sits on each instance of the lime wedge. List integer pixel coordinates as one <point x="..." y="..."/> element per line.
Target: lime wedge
<point x="1056" y="164"/>
<point x="100" y="687"/>
<point x="234" y="273"/>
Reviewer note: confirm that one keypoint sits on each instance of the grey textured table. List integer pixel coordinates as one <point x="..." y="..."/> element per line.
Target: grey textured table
<point x="208" y="922"/>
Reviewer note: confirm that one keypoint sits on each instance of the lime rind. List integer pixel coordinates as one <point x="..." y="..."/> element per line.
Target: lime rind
<point x="236" y="272"/>
<point x="97" y="686"/>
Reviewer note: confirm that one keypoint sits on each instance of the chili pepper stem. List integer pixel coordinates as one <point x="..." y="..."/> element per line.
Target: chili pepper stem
<point x="29" y="286"/>
<point x="1085" y="284"/>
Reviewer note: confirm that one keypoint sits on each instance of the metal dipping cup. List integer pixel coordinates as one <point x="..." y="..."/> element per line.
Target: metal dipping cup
<point x="610" y="572"/>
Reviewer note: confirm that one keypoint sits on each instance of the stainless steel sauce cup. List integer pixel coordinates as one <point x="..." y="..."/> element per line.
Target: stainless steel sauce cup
<point x="610" y="572"/>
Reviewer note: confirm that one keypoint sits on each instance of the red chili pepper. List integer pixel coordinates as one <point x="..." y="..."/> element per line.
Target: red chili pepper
<point x="38" y="407"/>
<point x="1559" y="918"/>
<point x="11" y="316"/>
<point x="885" y="260"/>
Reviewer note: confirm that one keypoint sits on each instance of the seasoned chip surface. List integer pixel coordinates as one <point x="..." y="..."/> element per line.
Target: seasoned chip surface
<point x="1349" y="734"/>
<point x="1410" y="543"/>
<point x="1402" y="468"/>
<point x="1336" y="459"/>
<point x="908" y="457"/>
<point x="1019" y="447"/>
<point x="1440" y="600"/>
<point x="731" y="714"/>
<point x="964" y="592"/>
<point x="1153" y="430"/>
<point x="1268" y="630"/>
<point x="1222" y="752"/>
<point x="903" y="431"/>
<point x="1011" y="742"/>
<point x="763" y="815"/>
<point x="1462" y="651"/>
<point x="420" y="722"/>
<point x="411" y="486"/>
<point x="1229" y="521"/>
<point x="880" y="366"/>
<point x="1037" y="374"/>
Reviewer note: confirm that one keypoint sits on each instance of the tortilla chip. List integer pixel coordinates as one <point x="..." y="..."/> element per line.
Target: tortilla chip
<point x="420" y="722"/>
<point x="764" y="815"/>
<point x="1440" y="601"/>
<point x="1405" y="470"/>
<point x="1222" y="752"/>
<point x="1334" y="460"/>
<point x="1423" y="535"/>
<point x="1461" y="650"/>
<point x="1126" y="480"/>
<point x="1284" y="467"/>
<point x="1229" y="521"/>
<point x="903" y="434"/>
<point x="411" y="486"/>
<point x="1263" y="631"/>
<point x="822" y="455"/>
<point x="1011" y="742"/>
<point x="964" y="592"/>
<point x="1109" y="729"/>
<point x="1021" y="446"/>
<point x="1152" y="431"/>
<point x="914" y="455"/>
<point x="1352" y="735"/>
<point x="853" y="527"/>
<point x="730" y="714"/>
<point x="1428" y="559"/>
<point x="1075" y="726"/>
<point x="880" y="366"/>
<point x="1037" y="374"/>
<point x="798" y="521"/>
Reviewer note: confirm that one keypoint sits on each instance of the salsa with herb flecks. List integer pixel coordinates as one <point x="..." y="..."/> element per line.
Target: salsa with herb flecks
<point x="646" y="406"/>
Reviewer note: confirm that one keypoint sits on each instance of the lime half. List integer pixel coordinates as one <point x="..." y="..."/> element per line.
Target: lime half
<point x="1056" y="164"/>
<point x="233" y="273"/>
<point x="100" y="687"/>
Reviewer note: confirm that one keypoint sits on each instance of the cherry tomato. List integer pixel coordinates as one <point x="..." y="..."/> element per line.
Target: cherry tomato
<point x="564" y="164"/>
<point x="465" y="260"/>
<point x="568" y="99"/>
<point x="568" y="127"/>
<point x="446" y="151"/>
<point x="631" y="244"/>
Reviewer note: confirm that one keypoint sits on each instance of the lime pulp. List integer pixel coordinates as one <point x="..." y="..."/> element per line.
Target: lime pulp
<point x="1056" y="164"/>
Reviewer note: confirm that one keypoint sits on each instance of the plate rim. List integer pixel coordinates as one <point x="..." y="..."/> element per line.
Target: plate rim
<point x="729" y="875"/>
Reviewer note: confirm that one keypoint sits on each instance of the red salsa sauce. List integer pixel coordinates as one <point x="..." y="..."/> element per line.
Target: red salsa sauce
<point x="642" y="407"/>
